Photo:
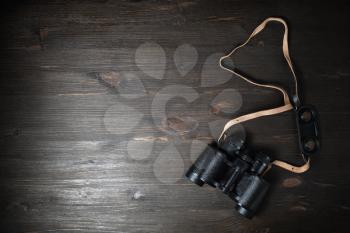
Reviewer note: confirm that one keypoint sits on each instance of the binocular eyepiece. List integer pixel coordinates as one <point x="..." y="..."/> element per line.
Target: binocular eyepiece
<point x="235" y="171"/>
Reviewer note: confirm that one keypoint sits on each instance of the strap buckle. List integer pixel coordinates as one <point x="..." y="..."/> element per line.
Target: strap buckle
<point x="308" y="130"/>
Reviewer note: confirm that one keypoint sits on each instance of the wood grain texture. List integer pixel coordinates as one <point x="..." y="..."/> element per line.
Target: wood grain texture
<point x="61" y="170"/>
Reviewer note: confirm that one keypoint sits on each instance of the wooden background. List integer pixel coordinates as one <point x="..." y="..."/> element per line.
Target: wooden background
<point x="62" y="171"/>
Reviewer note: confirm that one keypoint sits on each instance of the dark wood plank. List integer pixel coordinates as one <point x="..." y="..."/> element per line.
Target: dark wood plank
<point x="62" y="170"/>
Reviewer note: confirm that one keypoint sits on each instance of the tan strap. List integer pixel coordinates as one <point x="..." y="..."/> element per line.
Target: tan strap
<point x="287" y="104"/>
<point x="292" y="168"/>
<point x="254" y="115"/>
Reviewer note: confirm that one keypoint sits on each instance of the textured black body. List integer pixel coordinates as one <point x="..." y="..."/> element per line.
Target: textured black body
<point x="236" y="173"/>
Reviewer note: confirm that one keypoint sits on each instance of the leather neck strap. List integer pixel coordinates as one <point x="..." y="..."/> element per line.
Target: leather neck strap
<point x="287" y="104"/>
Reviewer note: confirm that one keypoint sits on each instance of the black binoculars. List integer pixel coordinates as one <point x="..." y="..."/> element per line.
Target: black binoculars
<point x="237" y="171"/>
<point x="234" y="170"/>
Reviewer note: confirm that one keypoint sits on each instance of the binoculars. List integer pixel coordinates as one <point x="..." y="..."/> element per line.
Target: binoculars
<point x="237" y="171"/>
<point x="234" y="170"/>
